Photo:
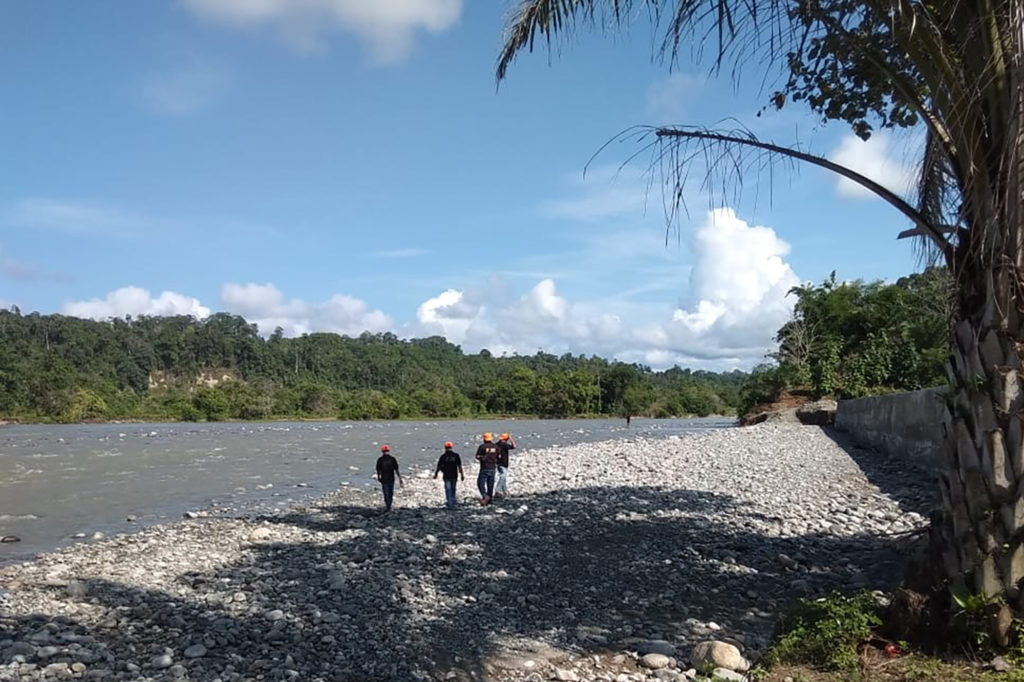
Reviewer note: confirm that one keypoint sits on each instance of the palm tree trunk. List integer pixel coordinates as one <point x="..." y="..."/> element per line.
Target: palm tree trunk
<point x="980" y="529"/>
<point x="980" y="533"/>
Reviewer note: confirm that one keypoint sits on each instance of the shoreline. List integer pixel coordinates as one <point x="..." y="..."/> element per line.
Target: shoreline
<point x="603" y="546"/>
<point x="400" y="420"/>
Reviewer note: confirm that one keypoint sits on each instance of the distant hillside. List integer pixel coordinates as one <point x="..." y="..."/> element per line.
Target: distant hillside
<point x="57" y="368"/>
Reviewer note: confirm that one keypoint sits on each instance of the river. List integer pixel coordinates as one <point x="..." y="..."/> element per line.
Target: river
<point x="59" y="482"/>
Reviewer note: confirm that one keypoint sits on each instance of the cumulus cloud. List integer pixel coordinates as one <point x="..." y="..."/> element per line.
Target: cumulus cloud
<point x="449" y="314"/>
<point x="387" y="28"/>
<point x="738" y="299"/>
<point x="186" y="89"/>
<point x="265" y="305"/>
<point x="876" y="159"/>
<point x="136" y="301"/>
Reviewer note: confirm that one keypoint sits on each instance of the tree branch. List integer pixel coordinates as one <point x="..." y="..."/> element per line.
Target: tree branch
<point x="894" y="200"/>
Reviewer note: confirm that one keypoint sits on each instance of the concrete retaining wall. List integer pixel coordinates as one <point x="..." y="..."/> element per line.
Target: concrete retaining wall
<point x="902" y="424"/>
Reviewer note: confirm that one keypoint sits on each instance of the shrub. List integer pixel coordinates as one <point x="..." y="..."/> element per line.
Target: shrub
<point x="826" y="633"/>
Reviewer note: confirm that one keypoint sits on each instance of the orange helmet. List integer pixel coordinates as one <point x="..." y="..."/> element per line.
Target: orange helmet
<point x="385" y="448"/>
<point x="504" y="436"/>
<point x="487" y="438"/>
<point x="448" y="444"/>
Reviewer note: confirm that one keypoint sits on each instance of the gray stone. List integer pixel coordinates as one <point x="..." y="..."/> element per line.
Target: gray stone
<point x="276" y="614"/>
<point x="195" y="651"/>
<point x="725" y="675"/>
<point x="20" y="649"/>
<point x="655" y="646"/>
<point x="77" y="589"/>
<point x="566" y="675"/>
<point x="46" y="652"/>
<point x="655" y="661"/>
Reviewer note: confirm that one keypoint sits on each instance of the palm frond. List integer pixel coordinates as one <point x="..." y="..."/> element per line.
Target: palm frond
<point x="743" y="29"/>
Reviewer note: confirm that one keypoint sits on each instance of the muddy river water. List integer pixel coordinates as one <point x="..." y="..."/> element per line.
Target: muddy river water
<point x="59" y="482"/>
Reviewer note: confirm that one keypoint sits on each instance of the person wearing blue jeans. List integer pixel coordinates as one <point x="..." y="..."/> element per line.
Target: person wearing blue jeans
<point x="450" y="467"/>
<point x="505" y="443"/>
<point x="387" y="470"/>
<point x="487" y="455"/>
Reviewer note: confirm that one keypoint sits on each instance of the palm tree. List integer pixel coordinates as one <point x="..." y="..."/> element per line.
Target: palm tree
<point x="955" y="68"/>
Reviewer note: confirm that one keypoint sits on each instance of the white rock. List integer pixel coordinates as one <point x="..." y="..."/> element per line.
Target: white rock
<point x="720" y="655"/>
<point x="655" y="661"/>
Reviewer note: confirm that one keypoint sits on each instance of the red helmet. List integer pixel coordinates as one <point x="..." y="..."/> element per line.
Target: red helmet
<point x="448" y="444"/>
<point x="385" y="448"/>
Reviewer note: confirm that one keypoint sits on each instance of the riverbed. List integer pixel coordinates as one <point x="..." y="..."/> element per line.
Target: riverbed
<point x="65" y="483"/>
<point x="612" y="560"/>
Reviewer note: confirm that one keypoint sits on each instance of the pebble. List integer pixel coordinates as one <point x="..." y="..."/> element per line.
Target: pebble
<point x="655" y="661"/>
<point x="195" y="651"/>
<point x="613" y="573"/>
<point x="162" y="661"/>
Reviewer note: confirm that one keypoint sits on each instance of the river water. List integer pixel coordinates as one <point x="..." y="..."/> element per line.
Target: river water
<point x="58" y="482"/>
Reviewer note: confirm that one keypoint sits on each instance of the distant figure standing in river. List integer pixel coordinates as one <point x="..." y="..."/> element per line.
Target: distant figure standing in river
<point x="450" y="466"/>
<point x="487" y="455"/>
<point x="505" y="443"/>
<point x="387" y="469"/>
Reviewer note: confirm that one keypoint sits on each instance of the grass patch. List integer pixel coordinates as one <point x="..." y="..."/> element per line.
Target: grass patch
<point x="826" y="633"/>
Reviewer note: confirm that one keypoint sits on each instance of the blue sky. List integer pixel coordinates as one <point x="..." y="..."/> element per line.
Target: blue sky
<point x="343" y="165"/>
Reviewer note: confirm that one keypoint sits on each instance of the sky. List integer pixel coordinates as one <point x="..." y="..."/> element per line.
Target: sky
<point x="350" y="166"/>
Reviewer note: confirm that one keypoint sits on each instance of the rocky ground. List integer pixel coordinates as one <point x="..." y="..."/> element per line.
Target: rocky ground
<point x="611" y="561"/>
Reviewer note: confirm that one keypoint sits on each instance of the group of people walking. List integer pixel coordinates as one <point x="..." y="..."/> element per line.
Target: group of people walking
<point x="491" y="481"/>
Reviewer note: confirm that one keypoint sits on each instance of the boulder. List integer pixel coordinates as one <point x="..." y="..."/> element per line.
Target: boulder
<point x="719" y="655"/>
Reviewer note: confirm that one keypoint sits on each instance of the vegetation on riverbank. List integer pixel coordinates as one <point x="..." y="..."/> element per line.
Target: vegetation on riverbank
<point x="841" y="638"/>
<point x="851" y="339"/>
<point x="58" y="368"/>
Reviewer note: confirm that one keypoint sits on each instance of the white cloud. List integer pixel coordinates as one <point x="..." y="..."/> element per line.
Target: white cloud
<point x="876" y="159"/>
<point x="667" y="99"/>
<point x="185" y="90"/>
<point x="79" y="218"/>
<point x="737" y="299"/>
<point x="135" y="301"/>
<point x="739" y="285"/>
<point x="450" y="314"/>
<point x="265" y="305"/>
<point x="387" y="27"/>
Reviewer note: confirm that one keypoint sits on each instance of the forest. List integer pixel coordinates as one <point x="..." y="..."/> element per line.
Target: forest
<point x="845" y="339"/>
<point x="852" y="339"/>
<point x="66" y="369"/>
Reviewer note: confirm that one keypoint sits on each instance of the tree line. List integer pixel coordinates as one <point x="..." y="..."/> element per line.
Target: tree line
<point x="67" y="369"/>
<point x="852" y="339"/>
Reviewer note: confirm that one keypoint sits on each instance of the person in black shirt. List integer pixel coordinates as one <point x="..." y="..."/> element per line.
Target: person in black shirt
<point x="505" y="443"/>
<point x="450" y="465"/>
<point x="487" y="455"/>
<point x="387" y="469"/>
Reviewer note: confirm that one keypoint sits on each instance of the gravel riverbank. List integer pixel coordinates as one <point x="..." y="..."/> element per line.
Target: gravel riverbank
<point x="605" y="552"/>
